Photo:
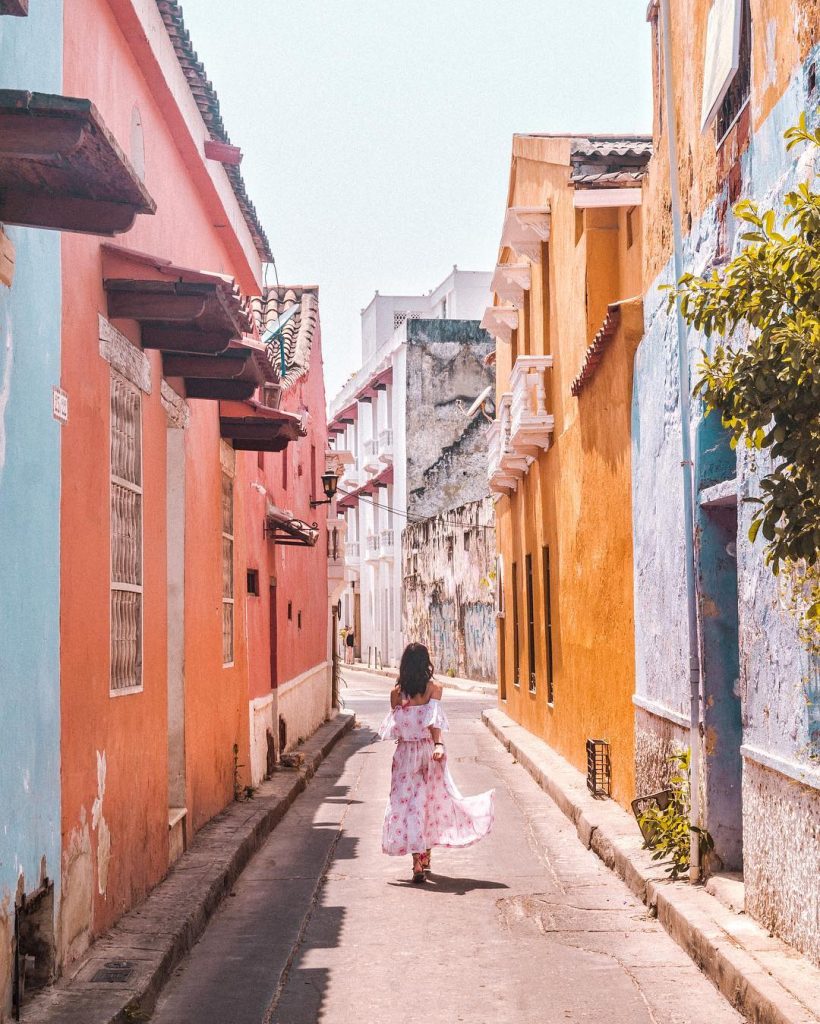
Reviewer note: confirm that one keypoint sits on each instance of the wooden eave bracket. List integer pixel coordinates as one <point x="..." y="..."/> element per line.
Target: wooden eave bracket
<point x="223" y="153"/>
<point x="16" y="8"/>
<point x="61" y="168"/>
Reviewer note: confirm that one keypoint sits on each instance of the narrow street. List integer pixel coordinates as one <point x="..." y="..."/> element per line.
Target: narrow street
<point x="525" y="927"/>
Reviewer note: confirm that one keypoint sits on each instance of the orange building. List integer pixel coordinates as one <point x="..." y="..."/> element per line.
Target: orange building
<point x="178" y="484"/>
<point x="567" y="319"/>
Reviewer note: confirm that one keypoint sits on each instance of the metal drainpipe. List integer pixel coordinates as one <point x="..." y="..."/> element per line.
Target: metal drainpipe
<point x="686" y="455"/>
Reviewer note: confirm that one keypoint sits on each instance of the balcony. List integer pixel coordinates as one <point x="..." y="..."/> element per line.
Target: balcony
<point x="353" y="560"/>
<point x="350" y="477"/>
<point x="504" y="468"/>
<point x="372" y="548"/>
<point x="531" y="426"/>
<point x="371" y="456"/>
<point x="386" y="446"/>
<point x="387" y="544"/>
<point x="336" y="556"/>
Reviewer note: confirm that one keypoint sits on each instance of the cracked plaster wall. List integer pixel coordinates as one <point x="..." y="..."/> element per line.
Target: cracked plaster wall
<point x="779" y="682"/>
<point x="449" y="591"/>
<point x="446" y="453"/>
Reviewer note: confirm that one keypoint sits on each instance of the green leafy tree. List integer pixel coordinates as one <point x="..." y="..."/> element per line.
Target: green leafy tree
<point x="767" y="388"/>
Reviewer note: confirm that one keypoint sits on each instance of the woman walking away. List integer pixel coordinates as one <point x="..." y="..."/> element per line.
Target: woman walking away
<point x="350" y="641"/>
<point x="425" y="809"/>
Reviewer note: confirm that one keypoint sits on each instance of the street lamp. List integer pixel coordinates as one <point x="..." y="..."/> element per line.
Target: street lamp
<point x="329" y="482"/>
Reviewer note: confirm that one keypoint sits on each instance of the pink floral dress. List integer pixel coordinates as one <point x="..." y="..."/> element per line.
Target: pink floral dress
<point x="425" y="808"/>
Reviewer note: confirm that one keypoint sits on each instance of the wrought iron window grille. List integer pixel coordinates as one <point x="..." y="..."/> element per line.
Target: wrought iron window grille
<point x="599" y="768"/>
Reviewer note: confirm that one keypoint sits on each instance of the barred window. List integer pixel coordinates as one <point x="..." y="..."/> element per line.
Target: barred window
<point x="227" y="570"/>
<point x="126" y="536"/>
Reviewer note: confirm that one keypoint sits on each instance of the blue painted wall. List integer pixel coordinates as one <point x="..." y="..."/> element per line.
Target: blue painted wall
<point x="30" y="58"/>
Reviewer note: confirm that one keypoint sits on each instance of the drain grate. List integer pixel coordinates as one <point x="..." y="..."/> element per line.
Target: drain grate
<point x="114" y="971"/>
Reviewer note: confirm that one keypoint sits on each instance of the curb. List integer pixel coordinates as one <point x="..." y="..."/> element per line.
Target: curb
<point x="157" y="934"/>
<point x="448" y="682"/>
<point x="766" y="980"/>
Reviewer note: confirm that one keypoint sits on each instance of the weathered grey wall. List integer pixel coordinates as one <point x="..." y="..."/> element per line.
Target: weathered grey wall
<point x="449" y="589"/>
<point x="766" y="666"/>
<point x="446" y="453"/>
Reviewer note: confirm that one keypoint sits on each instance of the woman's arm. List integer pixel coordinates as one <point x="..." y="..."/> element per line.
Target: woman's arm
<point x="438" y="748"/>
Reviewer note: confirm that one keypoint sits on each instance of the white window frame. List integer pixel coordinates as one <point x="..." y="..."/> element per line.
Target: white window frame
<point x="117" y="586"/>
<point x="230" y="537"/>
<point x="721" y="56"/>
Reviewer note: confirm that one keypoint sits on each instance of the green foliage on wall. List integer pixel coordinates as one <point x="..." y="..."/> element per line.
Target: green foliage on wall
<point x="767" y="390"/>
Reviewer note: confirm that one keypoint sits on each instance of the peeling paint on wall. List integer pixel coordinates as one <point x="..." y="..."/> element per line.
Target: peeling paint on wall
<point x="100" y="826"/>
<point x="446" y="452"/>
<point x="777" y="680"/>
<point x="449" y="592"/>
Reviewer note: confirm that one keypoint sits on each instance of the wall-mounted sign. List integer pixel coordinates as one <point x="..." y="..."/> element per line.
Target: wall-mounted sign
<point x="59" y="405"/>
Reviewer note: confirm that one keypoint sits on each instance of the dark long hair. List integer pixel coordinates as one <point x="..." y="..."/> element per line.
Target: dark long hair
<point x="415" y="670"/>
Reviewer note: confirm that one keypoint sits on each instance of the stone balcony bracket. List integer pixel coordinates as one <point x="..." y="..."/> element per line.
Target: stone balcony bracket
<point x="510" y="282"/>
<point x="525" y="229"/>
<point x="500" y="322"/>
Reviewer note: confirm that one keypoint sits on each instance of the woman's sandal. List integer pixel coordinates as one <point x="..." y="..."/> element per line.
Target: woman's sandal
<point x="418" y="868"/>
<point x="425" y="861"/>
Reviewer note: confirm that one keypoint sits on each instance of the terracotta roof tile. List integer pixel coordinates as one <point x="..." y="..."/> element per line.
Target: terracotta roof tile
<point x="297" y="333"/>
<point x="607" y="162"/>
<point x="595" y="352"/>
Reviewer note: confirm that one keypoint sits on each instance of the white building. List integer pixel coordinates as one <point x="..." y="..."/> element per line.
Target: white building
<point x="368" y="419"/>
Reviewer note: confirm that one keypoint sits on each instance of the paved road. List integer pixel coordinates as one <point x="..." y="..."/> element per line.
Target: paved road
<point x="526" y="927"/>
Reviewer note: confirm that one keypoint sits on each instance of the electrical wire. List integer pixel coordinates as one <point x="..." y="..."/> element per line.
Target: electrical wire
<point x="414" y="520"/>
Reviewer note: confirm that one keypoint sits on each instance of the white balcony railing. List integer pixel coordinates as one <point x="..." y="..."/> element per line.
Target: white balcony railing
<point x="386" y="446"/>
<point x="523" y="427"/>
<point x="350" y="477"/>
<point x="352" y="551"/>
<point x="371" y="456"/>
<point x="503" y="469"/>
<point x="531" y="426"/>
<point x="387" y="543"/>
<point x="373" y="548"/>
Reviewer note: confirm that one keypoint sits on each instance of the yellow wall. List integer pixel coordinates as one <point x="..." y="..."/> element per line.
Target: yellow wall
<point x="576" y="496"/>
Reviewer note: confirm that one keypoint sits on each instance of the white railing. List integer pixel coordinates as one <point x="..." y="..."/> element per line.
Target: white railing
<point x="352" y="551"/>
<point x="350" y="477"/>
<point x="386" y="445"/>
<point x="531" y="426"/>
<point x="387" y="543"/>
<point x="373" y="548"/>
<point x="371" y="456"/>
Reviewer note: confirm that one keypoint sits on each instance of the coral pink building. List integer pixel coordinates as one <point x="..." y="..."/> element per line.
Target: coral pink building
<point x="193" y="587"/>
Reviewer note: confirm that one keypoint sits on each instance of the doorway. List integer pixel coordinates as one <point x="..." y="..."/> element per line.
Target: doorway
<point x="722" y="710"/>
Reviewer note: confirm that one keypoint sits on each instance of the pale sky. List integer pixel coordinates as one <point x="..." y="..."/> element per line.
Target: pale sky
<point x="376" y="133"/>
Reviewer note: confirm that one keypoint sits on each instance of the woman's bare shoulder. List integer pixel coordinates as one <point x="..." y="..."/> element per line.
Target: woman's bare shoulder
<point x="436" y="690"/>
<point x="395" y="696"/>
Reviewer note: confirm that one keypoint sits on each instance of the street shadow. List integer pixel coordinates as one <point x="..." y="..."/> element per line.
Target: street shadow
<point x="453" y="886"/>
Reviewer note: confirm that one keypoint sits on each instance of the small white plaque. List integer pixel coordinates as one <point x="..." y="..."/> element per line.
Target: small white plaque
<point x="59" y="405"/>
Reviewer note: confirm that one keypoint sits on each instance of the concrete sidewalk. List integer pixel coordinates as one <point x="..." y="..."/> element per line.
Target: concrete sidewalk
<point x="448" y="682"/>
<point x="153" y="938"/>
<point x="766" y="980"/>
